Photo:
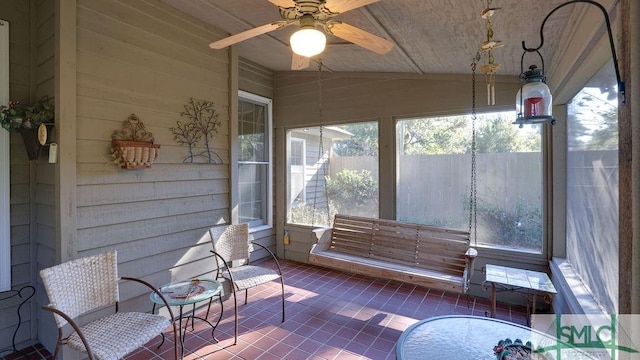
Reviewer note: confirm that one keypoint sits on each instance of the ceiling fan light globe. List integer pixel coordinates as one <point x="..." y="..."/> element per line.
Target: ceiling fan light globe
<point x="308" y="42"/>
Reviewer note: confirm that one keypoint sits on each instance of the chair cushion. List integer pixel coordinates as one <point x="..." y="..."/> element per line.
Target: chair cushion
<point x="118" y="334"/>
<point x="248" y="276"/>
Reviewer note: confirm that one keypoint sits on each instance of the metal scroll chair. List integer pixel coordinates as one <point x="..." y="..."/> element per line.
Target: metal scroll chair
<point x="231" y="243"/>
<point x="83" y="285"/>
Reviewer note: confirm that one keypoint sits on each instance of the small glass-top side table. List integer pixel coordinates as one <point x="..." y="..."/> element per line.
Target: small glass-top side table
<point x="190" y="292"/>
<point x="514" y="279"/>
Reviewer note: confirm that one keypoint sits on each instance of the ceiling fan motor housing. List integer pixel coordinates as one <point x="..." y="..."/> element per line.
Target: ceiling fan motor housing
<point x="312" y="8"/>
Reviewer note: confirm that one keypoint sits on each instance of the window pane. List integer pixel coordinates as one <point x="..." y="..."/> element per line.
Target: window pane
<point x="434" y="177"/>
<point x="297" y="186"/>
<point x="252" y="187"/>
<point x="251" y="132"/>
<point x="339" y="174"/>
<point x="592" y="186"/>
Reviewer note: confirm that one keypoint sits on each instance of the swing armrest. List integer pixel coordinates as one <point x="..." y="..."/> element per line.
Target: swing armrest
<point x="323" y="239"/>
<point x="471" y="255"/>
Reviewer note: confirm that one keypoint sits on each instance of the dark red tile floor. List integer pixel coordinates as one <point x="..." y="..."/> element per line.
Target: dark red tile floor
<point x="329" y="315"/>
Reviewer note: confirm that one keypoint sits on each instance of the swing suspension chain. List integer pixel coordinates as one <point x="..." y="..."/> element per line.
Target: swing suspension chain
<point x="473" y="213"/>
<point x="325" y="164"/>
<point x="322" y="163"/>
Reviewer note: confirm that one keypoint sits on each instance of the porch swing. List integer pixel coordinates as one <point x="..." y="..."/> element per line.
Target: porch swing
<point x="434" y="257"/>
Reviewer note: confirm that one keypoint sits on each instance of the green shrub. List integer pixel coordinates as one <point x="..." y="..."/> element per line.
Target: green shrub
<point x="353" y="192"/>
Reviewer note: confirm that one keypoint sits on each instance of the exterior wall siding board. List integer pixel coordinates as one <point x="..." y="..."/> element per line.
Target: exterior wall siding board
<point x="17" y="14"/>
<point x="97" y="173"/>
<point x="42" y="84"/>
<point x="121" y="234"/>
<point x="95" y="216"/>
<point x="94" y="195"/>
<point x="145" y="58"/>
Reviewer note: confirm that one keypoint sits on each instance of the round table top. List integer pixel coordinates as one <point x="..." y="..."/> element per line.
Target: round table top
<point x="457" y="338"/>
<point x="186" y="292"/>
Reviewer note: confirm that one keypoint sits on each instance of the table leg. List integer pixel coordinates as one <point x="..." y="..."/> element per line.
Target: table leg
<point x="193" y="317"/>
<point x="533" y="308"/>
<point x="180" y="332"/>
<point x="533" y="304"/>
<point x="219" y="316"/>
<point x="493" y="300"/>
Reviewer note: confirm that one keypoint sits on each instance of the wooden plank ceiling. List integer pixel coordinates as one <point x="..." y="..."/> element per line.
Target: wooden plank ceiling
<point x="431" y="36"/>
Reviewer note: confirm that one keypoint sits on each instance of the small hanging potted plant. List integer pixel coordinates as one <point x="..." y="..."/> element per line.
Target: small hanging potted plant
<point x="27" y="120"/>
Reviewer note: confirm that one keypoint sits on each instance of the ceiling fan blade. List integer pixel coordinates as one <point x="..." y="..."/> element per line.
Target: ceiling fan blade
<point x="362" y="38"/>
<point x="299" y="62"/>
<point x="245" y="35"/>
<point x="340" y="6"/>
<point x="283" y="3"/>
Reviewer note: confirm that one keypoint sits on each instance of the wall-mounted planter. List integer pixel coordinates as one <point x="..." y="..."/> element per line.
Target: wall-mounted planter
<point x="34" y="139"/>
<point x="135" y="154"/>
<point x="32" y="122"/>
<point x="133" y="147"/>
<point x="31" y="144"/>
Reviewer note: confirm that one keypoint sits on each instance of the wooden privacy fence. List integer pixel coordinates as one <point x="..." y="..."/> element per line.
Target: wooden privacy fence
<point x="503" y="178"/>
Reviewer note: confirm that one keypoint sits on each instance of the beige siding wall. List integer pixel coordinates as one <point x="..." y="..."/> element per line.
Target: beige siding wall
<point x="142" y="57"/>
<point x="17" y="13"/>
<point x="255" y="78"/>
<point x="349" y="97"/>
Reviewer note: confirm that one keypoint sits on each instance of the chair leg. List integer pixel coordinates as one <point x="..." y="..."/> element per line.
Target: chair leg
<point x="57" y="351"/>
<point x="246" y="295"/>
<point x="235" y="311"/>
<point x="282" y="283"/>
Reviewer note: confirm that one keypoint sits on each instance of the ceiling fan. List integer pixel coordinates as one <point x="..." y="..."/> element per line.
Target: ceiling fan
<point x="308" y="14"/>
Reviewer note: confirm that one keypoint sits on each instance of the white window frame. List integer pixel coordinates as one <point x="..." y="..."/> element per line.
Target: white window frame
<point x="304" y="166"/>
<point x="5" y="225"/>
<point x="268" y="104"/>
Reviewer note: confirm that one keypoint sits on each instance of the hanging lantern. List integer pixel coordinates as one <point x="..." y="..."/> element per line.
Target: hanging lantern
<point x="533" y="101"/>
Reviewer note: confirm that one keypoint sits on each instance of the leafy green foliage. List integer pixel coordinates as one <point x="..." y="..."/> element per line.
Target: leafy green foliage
<point x="519" y="228"/>
<point x="364" y="141"/>
<point x="499" y="135"/>
<point x="444" y="135"/>
<point x="17" y="115"/>
<point x="353" y="192"/>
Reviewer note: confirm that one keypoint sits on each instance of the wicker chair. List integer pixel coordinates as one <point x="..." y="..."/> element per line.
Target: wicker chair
<point x="79" y="286"/>
<point x="231" y="243"/>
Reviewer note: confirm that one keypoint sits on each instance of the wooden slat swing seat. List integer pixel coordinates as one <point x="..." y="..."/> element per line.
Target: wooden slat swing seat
<point x="423" y="255"/>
